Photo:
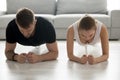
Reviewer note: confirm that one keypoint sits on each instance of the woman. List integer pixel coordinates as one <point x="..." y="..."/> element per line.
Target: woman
<point x="87" y="31"/>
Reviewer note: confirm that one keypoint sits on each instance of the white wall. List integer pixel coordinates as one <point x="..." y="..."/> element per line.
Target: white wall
<point x="2" y="5"/>
<point x="112" y="4"/>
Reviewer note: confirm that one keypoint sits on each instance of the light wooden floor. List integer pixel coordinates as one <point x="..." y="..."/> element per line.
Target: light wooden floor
<point x="62" y="68"/>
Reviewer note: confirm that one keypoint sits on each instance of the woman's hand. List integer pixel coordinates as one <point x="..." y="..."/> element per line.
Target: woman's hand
<point x="91" y="59"/>
<point x="83" y="59"/>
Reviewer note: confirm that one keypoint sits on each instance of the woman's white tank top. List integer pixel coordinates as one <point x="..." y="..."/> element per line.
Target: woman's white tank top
<point x="93" y="48"/>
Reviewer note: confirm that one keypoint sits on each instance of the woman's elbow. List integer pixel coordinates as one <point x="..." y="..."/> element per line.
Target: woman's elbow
<point x="106" y="57"/>
<point x="70" y="57"/>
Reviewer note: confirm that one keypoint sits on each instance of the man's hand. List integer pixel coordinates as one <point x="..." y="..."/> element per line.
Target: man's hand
<point x="32" y="58"/>
<point x="83" y="59"/>
<point x="21" y="58"/>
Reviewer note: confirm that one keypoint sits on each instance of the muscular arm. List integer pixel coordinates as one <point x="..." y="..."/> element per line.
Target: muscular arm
<point x="9" y="50"/>
<point x="51" y="54"/>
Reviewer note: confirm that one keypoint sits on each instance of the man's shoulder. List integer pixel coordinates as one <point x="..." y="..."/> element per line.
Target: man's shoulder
<point x="11" y="25"/>
<point x="12" y="22"/>
<point x="41" y="18"/>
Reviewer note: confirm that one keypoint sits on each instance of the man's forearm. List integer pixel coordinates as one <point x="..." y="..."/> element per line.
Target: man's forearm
<point x="48" y="56"/>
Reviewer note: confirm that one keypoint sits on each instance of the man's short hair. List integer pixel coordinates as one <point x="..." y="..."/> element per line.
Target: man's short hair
<point x="24" y="17"/>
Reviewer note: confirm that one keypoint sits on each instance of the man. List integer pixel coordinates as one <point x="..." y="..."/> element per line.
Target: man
<point x="28" y="30"/>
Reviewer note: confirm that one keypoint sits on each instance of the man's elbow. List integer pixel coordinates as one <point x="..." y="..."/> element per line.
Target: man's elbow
<point x="8" y="56"/>
<point x="53" y="55"/>
<point x="56" y="54"/>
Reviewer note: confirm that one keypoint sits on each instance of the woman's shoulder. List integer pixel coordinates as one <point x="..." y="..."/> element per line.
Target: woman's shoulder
<point x="76" y="23"/>
<point x="104" y="31"/>
<point x="103" y="28"/>
<point x="70" y="28"/>
<point x="98" y="22"/>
